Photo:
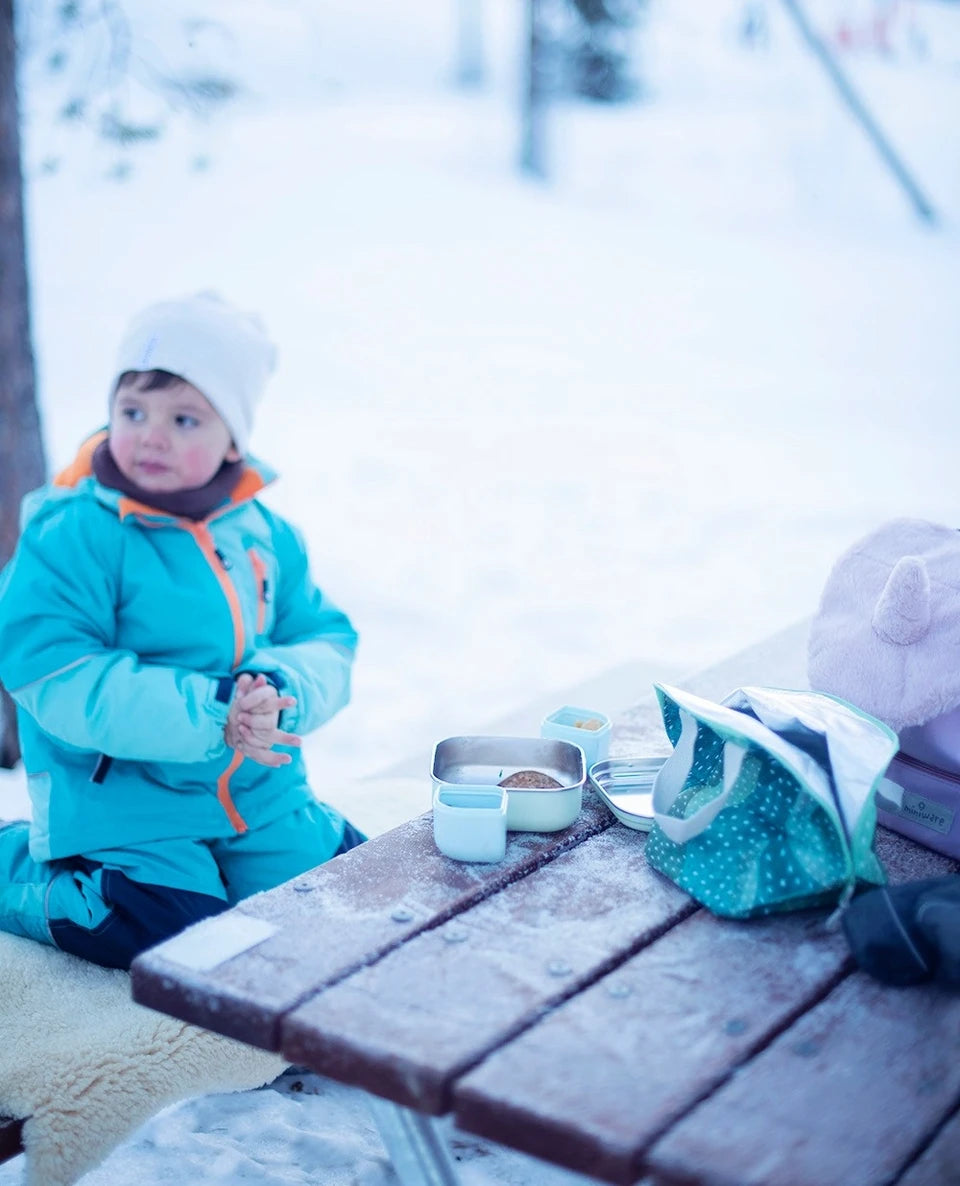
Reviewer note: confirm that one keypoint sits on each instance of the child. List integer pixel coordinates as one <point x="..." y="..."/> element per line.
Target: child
<point x="166" y="648"/>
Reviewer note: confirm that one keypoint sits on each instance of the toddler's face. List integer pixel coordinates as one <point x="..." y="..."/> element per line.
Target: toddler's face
<point x="168" y="439"/>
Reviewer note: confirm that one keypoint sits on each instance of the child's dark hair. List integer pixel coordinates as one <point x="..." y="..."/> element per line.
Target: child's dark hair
<point x="147" y="380"/>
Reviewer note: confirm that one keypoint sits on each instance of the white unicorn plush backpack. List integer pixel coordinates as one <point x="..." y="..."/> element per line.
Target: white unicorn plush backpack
<point x="886" y="637"/>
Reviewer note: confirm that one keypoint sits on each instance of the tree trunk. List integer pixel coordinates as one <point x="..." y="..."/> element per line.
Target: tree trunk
<point x="858" y="109"/>
<point x="533" y="115"/>
<point x="22" y="464"/>
<point x="470" y="58"/>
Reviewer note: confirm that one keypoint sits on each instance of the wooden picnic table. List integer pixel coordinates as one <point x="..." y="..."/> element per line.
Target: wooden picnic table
<point x="572" y="1003"/>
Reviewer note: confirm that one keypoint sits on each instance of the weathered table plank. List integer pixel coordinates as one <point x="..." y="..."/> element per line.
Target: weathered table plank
<point x="905" y="860"/>
<point x="370" y="900"/>
<point x="660" y="1032"/>
<point x="406" y="1027"/>
<point x="939" y="1164"/>
<point x="649" y="1039"/>
<point x="845" y="1097"/>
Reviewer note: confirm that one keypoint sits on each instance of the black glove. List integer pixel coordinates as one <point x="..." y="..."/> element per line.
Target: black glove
<point x="906" y="934"/>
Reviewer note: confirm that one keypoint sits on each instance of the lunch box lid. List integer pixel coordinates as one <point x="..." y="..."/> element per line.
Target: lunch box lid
<point x="625" y="786"/>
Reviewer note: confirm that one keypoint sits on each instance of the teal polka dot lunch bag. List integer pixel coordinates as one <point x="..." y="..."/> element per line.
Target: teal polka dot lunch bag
<point x="767" y="801"/>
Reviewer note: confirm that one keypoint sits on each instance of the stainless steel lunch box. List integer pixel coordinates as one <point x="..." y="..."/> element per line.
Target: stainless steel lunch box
<point x="485" y="761"/>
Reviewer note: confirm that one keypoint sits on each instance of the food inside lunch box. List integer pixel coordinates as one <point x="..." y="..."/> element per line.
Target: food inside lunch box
<point x="593" y="723"/>
<point x="530" y="778"/>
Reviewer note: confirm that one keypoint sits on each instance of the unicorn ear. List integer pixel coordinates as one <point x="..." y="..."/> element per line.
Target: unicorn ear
<point x="902" y="612"/>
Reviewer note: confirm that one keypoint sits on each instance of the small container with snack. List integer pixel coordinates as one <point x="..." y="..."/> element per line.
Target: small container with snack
<point x="543" y="778"/>
<point x="584" y="727"/>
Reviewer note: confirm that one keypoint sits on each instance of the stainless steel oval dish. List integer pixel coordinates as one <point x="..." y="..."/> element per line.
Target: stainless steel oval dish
<point x="486" y="761"/>
<point x="626" y="786"/>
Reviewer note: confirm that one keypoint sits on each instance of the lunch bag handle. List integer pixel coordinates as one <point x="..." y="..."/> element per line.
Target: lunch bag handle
<point x="672" y="776"/>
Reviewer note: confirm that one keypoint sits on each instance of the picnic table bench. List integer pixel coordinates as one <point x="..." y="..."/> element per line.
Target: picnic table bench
<point x="571" y="1003"/>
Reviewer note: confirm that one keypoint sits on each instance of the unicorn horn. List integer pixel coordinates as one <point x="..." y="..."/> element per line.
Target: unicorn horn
<point x="902" y="612"/>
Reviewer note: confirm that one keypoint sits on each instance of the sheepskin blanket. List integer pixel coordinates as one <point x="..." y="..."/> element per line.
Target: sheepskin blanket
<point x="87" y="1065"/>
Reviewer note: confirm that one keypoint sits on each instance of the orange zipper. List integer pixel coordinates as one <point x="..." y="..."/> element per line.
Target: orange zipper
<point x="205" y="543"/>
<point x="224" y="797"/>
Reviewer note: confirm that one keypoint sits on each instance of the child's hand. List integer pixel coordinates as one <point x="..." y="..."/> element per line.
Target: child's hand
<point x="252" y="725"/>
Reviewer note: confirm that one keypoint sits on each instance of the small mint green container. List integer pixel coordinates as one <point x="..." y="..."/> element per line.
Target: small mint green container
<point x="584" y="727"/>
<point x="470" y="822"/>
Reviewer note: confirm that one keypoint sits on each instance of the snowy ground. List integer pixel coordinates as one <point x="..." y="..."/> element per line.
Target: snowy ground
<point x="531" y="430"/>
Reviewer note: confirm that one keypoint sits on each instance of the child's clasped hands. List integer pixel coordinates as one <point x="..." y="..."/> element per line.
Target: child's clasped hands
<point x="253" y="723"/>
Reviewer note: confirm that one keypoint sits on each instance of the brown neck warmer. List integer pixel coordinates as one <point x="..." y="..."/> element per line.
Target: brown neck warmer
<point x="191" y="504"/>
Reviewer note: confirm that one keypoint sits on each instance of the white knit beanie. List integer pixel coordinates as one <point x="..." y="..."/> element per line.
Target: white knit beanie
<point x="224" y="352"/>
<point x="887" y="634"/>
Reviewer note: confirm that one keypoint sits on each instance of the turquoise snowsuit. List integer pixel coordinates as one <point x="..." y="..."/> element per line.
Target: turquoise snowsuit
<point x="121" y="631"/>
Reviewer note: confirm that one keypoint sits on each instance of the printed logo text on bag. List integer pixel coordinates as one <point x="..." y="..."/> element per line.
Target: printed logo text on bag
<point x="926" y="812"/>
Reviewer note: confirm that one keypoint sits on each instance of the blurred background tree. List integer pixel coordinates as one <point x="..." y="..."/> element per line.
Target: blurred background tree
<point x="22" y="462"/>
<point x="99" y="96"/>
<point x="599" y="59"/>
<point x="471" y="67"/>
<point x="578" y="48"/>
<point x="116" y="86"/>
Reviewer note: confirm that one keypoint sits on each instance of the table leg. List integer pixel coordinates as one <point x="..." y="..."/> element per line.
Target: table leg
<point x="416" y="1147"/>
